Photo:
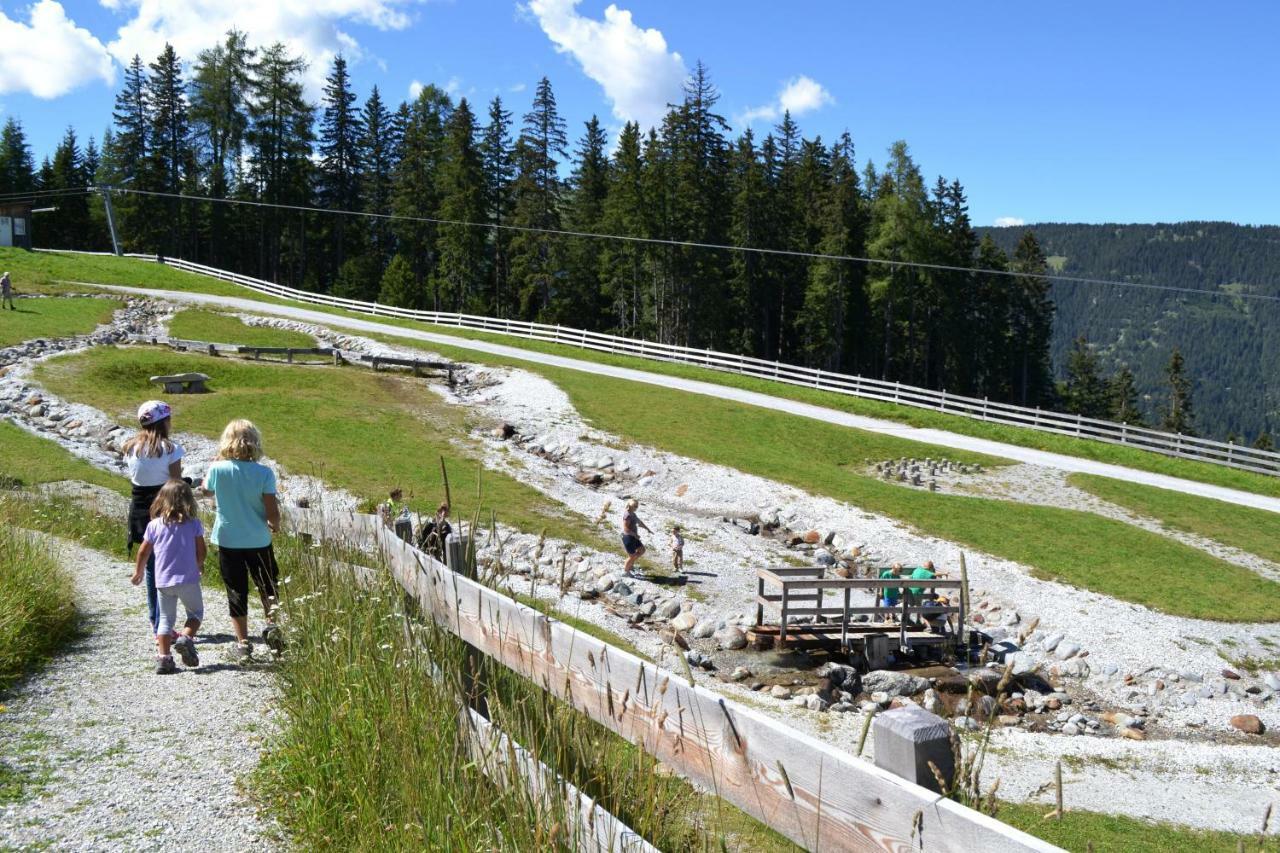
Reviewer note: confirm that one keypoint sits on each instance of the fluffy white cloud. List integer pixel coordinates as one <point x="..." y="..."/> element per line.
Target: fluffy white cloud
<point x="799" y="95"/>
<point x="49" y="55"/>
<point x="1009" y="221"/>
<point x="415" y="89"/>
<point x="639" y="75"/>
<point x="310" y="28"/>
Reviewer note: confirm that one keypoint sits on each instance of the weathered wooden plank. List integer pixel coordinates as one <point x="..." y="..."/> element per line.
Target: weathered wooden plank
<point x="816" y="795"/>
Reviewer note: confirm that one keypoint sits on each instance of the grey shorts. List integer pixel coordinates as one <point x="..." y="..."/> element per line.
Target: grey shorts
<point x="192" y="602"/>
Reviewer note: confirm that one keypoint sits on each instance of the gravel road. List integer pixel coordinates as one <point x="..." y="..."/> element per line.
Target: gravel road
<point x="118" y="758"/>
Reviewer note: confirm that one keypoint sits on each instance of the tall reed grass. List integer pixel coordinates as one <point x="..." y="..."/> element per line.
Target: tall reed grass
<point x="37" y="606"/>
<point x="371" y="755"/>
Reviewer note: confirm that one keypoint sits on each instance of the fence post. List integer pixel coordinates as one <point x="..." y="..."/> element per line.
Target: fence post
<point x="458" y="557"/>
<point x="984" y="408"/>
<point x="897" y="386"/>
<point x="1231" y="446"/>
<point x="942" y="406"/>
<point x="908" y="740"/>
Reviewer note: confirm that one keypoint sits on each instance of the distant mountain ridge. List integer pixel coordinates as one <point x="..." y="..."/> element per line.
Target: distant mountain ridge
<point x="1231" y="345"/>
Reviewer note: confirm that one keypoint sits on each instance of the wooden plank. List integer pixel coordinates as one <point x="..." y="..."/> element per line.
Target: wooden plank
<point x="814" y="794"/>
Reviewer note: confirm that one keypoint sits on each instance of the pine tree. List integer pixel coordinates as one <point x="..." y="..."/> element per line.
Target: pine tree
<point x="1263" y="442"/>
<point x="536" y="258"/>
<point x="17" y="166"/>
<point x="580" y="301"/>
<point x="461" y="274"/>
<point x="338" y="177"/>
<point x="499" y="171"/>
<point x="1085" y="392"/>
<point x="221" y="83"/>
<point x="989" y="322"/>
<point x="415" y="193"/>
<point x="949" y="357"/>
<point x="1179" y="416"/>
<point x="751" y="223"/>
<point x="170" y="155"/>
<point x="1123" y="390"/>
<point x="622" y="263"/>
<point x="128" y="154"/>
<point x="400" y="286"/>
<point x="378" y="153"/>
<point x="1031" y="324"/>
<point x="68" y="226"/>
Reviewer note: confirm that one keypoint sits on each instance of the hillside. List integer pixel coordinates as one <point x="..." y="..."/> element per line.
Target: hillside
<point x="1232" y="345"/>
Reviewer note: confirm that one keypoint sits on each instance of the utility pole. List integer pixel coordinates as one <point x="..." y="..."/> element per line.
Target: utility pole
<point x="111" y="217"/>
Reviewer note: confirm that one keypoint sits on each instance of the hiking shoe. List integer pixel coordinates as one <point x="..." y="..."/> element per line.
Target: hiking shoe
<point x="186" y="649"/>
<point x="240" y="652"/>
<point x="272" y="637"/>
<point x="165" y="665"/>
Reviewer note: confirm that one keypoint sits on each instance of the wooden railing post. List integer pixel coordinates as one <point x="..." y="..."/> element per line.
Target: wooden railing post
<point x="460" y="559"/>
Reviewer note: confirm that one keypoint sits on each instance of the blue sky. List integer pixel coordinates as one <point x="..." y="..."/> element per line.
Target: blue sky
<point x="1081" y="112"/>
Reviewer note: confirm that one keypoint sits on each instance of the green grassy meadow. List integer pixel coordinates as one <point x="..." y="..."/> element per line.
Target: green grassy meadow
<point x="1079" y="832"/>
<point x="53" y="318"/>
<point x="37" y="605"/>
<point x="212" y="327"/>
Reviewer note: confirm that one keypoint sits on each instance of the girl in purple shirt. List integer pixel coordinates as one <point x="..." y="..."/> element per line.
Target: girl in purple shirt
<point x="175" y="538"/>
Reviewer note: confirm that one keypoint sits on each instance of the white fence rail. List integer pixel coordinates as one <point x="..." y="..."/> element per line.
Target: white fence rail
<point x="1169" y="444"/>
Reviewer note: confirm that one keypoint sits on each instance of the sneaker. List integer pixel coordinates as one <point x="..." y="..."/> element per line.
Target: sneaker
<point x="240" y="652"/>
<point x="186" y="649"/>
<point x="274" y="640"/>
<point x="165" y="665"/>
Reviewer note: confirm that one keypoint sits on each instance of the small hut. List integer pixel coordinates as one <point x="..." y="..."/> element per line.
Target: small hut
<point x="15" y="224"/>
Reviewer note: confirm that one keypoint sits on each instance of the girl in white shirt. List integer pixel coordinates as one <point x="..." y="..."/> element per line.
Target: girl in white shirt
<point x="152" y="459"/>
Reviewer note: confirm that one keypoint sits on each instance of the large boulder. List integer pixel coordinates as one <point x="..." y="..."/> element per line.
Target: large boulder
<point x="1248" y="723"/>
<point x="730" y="638"/>
<point x="893" y="683"/>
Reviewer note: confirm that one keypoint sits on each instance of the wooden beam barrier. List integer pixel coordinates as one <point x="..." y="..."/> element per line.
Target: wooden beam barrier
<point x="819" y="797"/>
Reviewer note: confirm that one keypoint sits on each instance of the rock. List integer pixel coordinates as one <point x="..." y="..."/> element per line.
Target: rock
<point x="704" y="629"/>
<point x="673" y="638"/>
<point x="1248" y="723"/>
<point x="823" y="557"/>
<point x="740" y="673"/>
<point x="894" y="683"/>
<point x="811" y="537"/>
<point x="604" y="584"/>
<point x="780" y="692"/>
<point x="587" y="593"/>
<point x="589" y="478"/>
<point x="1272" y="681"/>
<point x="1023" y="663"/>
<point x="1133" y="734"/>
<point x="1011" y="617"/>
<point x="1071" y="729"/>
<point x="840" y="675"/>
<point x="816" y="703"/>
<point x="1053" y="703"/>
<point x="1231" y="674"/>
<point x="1194" y="677"/>
<point x="669" y="609"/>
<point x="730" y="638"/>
<point x="684" y="621"/>
<point x="647" y="608"/>
<point x="622" y="589"/>
<point x="880" y="697"/>
<point x="965" y="724"/>
<point x="1066" y="649"/>
<point x="1052" y="641"/>
<point x="1075" y="668"/>
<point x="1009" y="719"/>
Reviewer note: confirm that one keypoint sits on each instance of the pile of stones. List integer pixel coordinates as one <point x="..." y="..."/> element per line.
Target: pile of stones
<point x="921" y="472"/>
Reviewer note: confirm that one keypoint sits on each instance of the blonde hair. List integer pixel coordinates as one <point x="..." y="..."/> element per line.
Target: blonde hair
<point x="175" y="503"/>
<point x="242" y="441"/>
<point x="633" y="504"/>
<point x="150" y="441"/>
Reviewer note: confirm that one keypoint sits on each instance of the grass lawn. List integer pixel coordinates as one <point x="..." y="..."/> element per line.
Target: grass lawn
<point x="27" y="460"/>
<point x="1071" y="546"/>
<point x="198" y="324"/>
<point x="49" y="267"/>
<point x="1117" y="834"/>
<point x="53" y="318"/>
<point x="358" y="430"/>
<point x="1254" y="530"/>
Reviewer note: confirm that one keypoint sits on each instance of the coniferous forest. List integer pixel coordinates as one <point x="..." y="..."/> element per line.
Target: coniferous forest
<point x="234" y="124"/>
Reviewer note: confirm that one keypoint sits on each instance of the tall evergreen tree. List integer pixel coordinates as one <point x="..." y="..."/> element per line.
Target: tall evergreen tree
<point x="338" y="176"/>
<point x="622" y="263"/>
<point x="67" y="227"/>
<point x="1178" y="415"/>
<point x="537" y="258"/>
<point x="221" y="85"/>
<point x="1085" y="391"/>
<point x="1031" y="324"/>
<point x="580" y="300"/>
<point x="128" y="155"/>
<point x="752" y="223"/>
<point x="17" y="165"/>
<point x="379" y="149"/>
<point x="461" y="273"/>
<point x="498" y="161"/>
<point x="1123" y="389"/>
<point x="415" y="193"/>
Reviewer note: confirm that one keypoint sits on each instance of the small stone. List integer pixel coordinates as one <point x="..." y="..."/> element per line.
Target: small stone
<point x="880" y="697"/>
<point x="816" y="703"/>
<point x="684" y="621"/>
<point x="965" y="724"/>
<point x="1009" y="719"/>
<point x="730" y="638"/>
<point x="1193" y="677"/>
<point x="778" y="691"/>
<point x="740" y="673"/>
<point x="1272" y="680"/>
<point x="1066" y="649"/>
<point x="1071" y="729"/>
<point x="1248" y="723"/>
<point x="669" y="609"/>
<point x="811" y="537"/>
<point x="1231" y="674"/>
<point x="704" y="629"/>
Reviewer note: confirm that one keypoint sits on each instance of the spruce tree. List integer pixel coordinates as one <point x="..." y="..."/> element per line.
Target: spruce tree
<point x="400" y="286"/>
<point x="751" y="223"/>
<point x="1123" y="393"/>
<point x="67" y="227"/>
<point x="989" y="323"/>
<point x="1178" y="415"/>
<point x="17" y="166"/>
<point x="461" y="273"/>
<point x="415" y="193"/>
<point x="1264" y="442"/>
<point x="339" y="173"/>
<point x="622" y="263"/>
<point x="537" y="258"/>
<point x="131" y="145"/>
<point x="498" y="161"/>
<point x="171" y="157"/>
<point x="580" y="300"/>
<point x="1031" y="324"/>
<point x="1085" y="391"/>
<point x="378" y="153"/>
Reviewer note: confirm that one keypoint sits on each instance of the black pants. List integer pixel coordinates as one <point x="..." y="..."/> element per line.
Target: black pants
<point x="237" y="565"/>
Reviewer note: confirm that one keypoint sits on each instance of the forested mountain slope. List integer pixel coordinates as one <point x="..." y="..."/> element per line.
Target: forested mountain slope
<point x="1231" y="345"/>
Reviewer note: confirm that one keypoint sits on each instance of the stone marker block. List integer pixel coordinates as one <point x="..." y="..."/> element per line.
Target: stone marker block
<point x="907" y="739"/>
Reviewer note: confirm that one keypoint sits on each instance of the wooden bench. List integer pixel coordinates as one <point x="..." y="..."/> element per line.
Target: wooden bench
<point x="801" y="592"/>
<point x="182" y="383"/>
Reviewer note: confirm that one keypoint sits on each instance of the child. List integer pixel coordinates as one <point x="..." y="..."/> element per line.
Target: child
<point x="6" y="292"/>
<point x="631" y="543"/>
<point x="387" y="509"/>
<point x="247" y="514"/>
<point x="677" y="549"/>
<point x="175" y="539"/>
<point x="152" y="459"/>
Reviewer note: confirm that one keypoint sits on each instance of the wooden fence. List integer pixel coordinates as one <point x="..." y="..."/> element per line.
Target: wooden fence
<point x="1169" y="444"/>
<point x="816" y="795"/>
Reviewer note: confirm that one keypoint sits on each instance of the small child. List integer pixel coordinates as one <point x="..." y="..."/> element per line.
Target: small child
<point x="176" y="538"/>
<point x="6" y="292"/>
<point x="677" y="548"/>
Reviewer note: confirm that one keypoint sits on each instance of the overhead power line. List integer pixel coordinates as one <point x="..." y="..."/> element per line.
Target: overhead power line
<point x="690" y="244"/>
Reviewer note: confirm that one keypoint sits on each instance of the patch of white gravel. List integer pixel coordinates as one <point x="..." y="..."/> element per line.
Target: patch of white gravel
<point x="123" y="759"/>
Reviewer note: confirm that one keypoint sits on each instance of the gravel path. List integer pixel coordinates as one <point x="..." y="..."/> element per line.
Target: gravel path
<point x="940" y="438"/>
<point x="122" y="759"/>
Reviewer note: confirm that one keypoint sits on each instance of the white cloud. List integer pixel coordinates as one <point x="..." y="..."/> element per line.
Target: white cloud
<point x="49" y="55"/>
<point x="518" y="87"/>
<point x="310" y="28"/>
<point x="633" y="66"/>
<point x="1009" y="221"/>
<point x="415" y="89"/>
<point x="799" y="95"/>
